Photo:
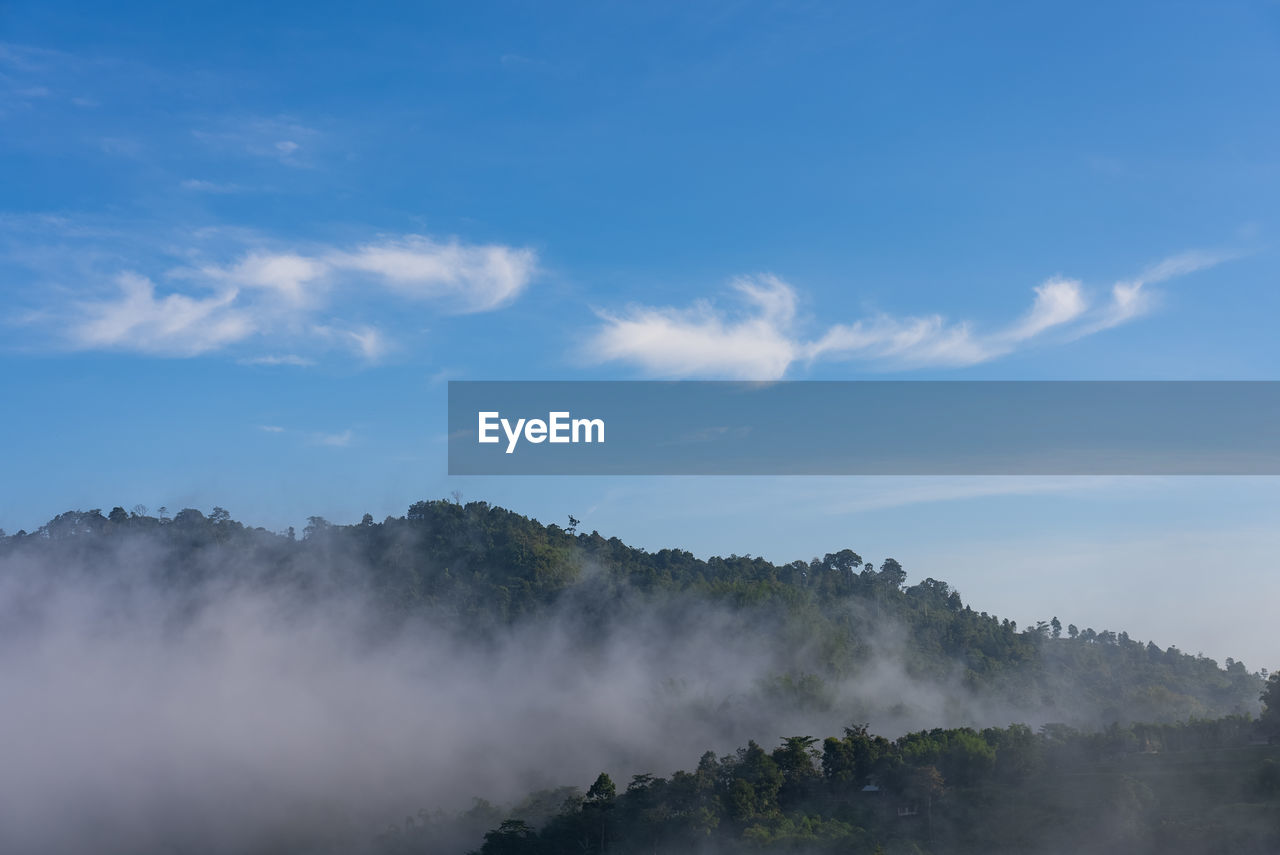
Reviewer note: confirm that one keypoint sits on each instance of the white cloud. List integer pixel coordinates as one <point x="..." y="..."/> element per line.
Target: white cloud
<point x="279" y="359"/>
<point x="334" y="440"/>
<point x="907" y="342"/>
<point x="459" y="277"/>
<point x="763" y="342"/>
<point x="31" y="74"/>
<point x="282" y="138"/>
<point x="881" y="493"/>
<point x="700" y="341"/>
<point x="342" y="439"/>
<point x="287" y="299"/>
<point x="201" y="186"/>
<point x="285" y="274"/>
<point x="175" y="324"/>
<point x="27" y="58"/>
<point x="470" y="278"/>
<point x="365" y="340"/>
<point x="1131" y="299"/>
<point x="1181" y="265"/>
<point x="932" y="341"/>
<point x="1058" y="301"/>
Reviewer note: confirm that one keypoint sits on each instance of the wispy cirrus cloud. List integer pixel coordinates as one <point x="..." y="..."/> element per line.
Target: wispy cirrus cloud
<point x="280" y="138"/>
<point x="702" y="340"/>
<point x="365" y="340"/>
<point x="334" y="440"/>
<point x="27" y="73"/>
<point x="340" y="439"/>
<point x="283" y="300"/>
<point x="761" y="338"/>
<point x="932" y="341"/>
<point x="469" y="278"/>
<point x="1131" y="298"/>
<point x="286" y="275"/>
<point x="883" y="493"/>
<point x="279" y="359"/>
<point x="175" y="324"/>
<point x="200" y="185"/>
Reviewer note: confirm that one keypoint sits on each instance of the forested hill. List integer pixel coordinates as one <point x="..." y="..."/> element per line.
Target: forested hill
<point x="481" y="569"/>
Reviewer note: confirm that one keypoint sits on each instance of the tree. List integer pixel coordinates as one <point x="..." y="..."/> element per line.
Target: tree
<point x="1056" y="626"/>
<point x="753" y="794"/>
<point x="892" y="575"/>
<point x="800" y="777"/>
<point x="844" y="562"/>
<point x="925" y="783"/>
<point x="512" y="837"/>
<point x="849" y="762"/>
<point x="189" y="517"/>
<point x="603" y="791"/>
<point x="600" y="800"/>
<point x="1269" y="721"/>
<point x="315" y="526"/>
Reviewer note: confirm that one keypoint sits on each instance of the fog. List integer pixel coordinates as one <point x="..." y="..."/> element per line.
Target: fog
<point x="237" y="714"/>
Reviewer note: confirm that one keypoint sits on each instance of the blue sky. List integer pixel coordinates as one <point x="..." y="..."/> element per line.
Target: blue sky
<point x="243" y="247"/>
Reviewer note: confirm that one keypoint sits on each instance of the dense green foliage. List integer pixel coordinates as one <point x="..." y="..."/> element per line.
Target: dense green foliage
<point x="1198" y="778"/>
<point x="479" y="568"/>
<point x="1197" y="787"/>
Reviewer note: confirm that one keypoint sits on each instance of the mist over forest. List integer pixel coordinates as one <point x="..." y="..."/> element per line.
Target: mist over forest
<point x="194" y="684"/>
